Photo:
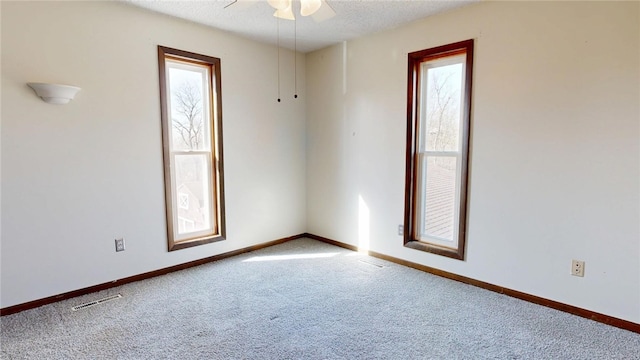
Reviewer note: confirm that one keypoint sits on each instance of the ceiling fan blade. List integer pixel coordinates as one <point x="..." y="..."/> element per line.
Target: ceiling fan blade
<point x="325" y="12"/>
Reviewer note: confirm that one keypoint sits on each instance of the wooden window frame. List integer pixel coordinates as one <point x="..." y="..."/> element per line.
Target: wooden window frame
<point x="415" y="59"/>
<point x="216" y="159"/>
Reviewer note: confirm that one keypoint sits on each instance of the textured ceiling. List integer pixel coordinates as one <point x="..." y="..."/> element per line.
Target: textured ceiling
<point x="253" y="18"/>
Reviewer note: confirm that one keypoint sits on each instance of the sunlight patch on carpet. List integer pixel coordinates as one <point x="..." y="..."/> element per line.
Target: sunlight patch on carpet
<point x="290" y="257"/>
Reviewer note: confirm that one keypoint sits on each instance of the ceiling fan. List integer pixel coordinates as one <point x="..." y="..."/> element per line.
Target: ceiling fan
<point x="319" y="10"/>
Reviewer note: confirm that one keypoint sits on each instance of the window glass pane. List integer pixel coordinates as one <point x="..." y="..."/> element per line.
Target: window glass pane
<point x="442" y="90"/>
<point x="439" y="197"/>
<point x="192" y="182"/>
<point x="189" y="107"/>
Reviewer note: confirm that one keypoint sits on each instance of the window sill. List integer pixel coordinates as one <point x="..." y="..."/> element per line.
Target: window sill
<point x="431" y="248"/>
<point x="195" y="242"/>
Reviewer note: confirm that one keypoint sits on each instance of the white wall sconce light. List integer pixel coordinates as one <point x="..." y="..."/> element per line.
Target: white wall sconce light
<point x="55" y="93"/>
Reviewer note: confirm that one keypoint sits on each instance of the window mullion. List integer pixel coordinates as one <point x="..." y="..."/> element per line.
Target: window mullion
<point x="442" y="153"/>
<point x="191" y="152"/>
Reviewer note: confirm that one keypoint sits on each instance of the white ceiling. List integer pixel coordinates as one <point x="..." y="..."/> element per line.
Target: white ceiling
<point x="253" y="18"/>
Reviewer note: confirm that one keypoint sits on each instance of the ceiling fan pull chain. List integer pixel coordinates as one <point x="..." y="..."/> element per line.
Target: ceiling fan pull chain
<point x="295" y="58"/>
<point x="278" y="36"/>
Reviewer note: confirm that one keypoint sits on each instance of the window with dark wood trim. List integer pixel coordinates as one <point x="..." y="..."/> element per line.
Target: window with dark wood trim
<point x="191" y="113"/>
<point x="438" y="126"/>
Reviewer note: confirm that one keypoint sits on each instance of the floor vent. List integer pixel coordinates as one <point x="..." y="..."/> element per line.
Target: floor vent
<point x="372" y="262"/>
<point x="95" y="302"/>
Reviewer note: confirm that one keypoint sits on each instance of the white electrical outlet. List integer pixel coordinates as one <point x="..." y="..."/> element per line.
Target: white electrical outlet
<point x="577" y="268"/>
<point x="401" y="230"/>
<point x="120" y="244"/>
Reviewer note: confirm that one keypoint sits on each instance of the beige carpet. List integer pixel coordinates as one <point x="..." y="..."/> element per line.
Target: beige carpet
<point x="307" y="300"/>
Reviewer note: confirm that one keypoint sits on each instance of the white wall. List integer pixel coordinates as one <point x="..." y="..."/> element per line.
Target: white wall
<point x="554" y="157"/>
<point x="75" y="177"/>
